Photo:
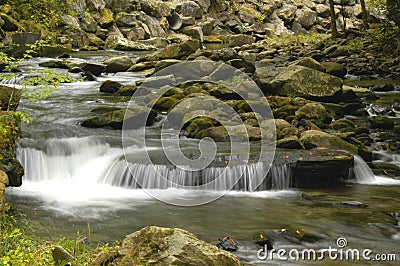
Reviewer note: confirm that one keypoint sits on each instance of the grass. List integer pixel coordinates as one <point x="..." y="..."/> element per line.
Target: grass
<point x="18" y="248"/>
<point x="298" y="39"/>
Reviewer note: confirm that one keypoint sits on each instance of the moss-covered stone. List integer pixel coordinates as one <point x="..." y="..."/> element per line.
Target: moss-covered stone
<point x="165" y="103"/>
<point x="110" y="86"/>
<point x="314" y="112"/>
<point x="133" y="117"/>
<point x="381" y="122"/>
<point x="314" y="138"/>
<point x="199" y="123"/>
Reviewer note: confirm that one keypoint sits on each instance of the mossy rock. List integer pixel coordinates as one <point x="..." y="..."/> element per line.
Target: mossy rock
<point x="10" y="24"/>
<point x="165" y="103"/>
<point x="342" y="123"/>
<point x="310" y="63"/>
<point x="133" y="90"/>
<point x="382" y="122"/>
<point x="199" y="123"/>
<point x="386" y="169"/>
<point x="118" y="64"/>
<point x="134" y="117"/>
<point x="319" y="139"/>
<point x="335" y="69"/>
<point x="291" y="142"/>
<point x="314" y="112"/>
<point x="110" y="86"/>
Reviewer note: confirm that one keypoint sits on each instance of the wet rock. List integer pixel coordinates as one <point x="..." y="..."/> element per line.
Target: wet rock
<point x="381" y="122"/>
<point x="285" y="81"/>
<point x="227" y="244"/>
<point x="305" y="236"/>
<point x="118" y="64"/>
<point x="335" y="69"/>
<point x="9" y="98"/>
<point x="110" y="86"/>
<point x="61" y="256"/>
<point x="352" y="204"/>
<point x="134" y="117"/>
<point x="104" y="109"/>
<point x="55" y="50"/>
<point x="263" y="241"/>
<point x="386" y="169"/>
<point x="55" y="64"/>
<point x="95" y="69"/>
<point x="171" y="246"/>
<point x="131" y="90"/>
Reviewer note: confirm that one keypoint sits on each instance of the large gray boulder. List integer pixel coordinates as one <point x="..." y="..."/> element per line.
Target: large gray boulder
<point x="154" y="245"/>
<point x="118" y="64"/>
<point x="299" y="81"/>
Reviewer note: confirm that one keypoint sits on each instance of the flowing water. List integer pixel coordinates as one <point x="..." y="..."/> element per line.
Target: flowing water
<point x="77" y="177"/>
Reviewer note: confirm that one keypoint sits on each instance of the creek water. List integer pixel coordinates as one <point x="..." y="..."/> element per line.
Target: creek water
<point x="76" y="177"/>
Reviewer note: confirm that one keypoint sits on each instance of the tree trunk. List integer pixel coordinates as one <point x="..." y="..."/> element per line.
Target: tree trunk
<point x="364" y="14"/>
<point x="333" y="18"/>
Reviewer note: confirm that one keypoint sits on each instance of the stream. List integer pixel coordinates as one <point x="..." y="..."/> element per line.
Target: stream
<point x="74" y="179"/>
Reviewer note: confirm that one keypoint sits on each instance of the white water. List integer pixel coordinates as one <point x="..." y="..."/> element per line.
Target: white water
<point x="364" y="175"/>
<point x="85" y="177"/>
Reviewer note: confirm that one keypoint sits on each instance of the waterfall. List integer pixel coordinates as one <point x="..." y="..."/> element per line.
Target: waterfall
<point x="362" y="172"/>
<point x="88" y="161"/>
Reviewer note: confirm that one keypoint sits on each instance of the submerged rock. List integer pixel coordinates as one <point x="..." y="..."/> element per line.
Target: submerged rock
<point x="170" y="246"/>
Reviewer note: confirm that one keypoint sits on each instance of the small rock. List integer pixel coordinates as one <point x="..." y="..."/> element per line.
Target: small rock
<point x="227" y="244"/>
<point x="61" y="256"/>
<point x="353" y="204"/>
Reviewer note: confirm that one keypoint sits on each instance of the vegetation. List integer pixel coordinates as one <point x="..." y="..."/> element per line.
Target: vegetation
<point x="298" y="39"/>
<point x="42" y="15"/>
<point x="18" y="248"/>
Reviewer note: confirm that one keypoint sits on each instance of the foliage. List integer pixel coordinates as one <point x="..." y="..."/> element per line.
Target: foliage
<point x="377" y="5"/>
<point x="17" y="248"/>
<point x="43" y="12"/>
<point x="298" y="39"/>
<point x="41" y="83"/>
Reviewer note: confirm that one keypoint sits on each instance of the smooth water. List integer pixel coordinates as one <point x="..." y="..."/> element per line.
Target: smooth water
<point x="76" y="176"/>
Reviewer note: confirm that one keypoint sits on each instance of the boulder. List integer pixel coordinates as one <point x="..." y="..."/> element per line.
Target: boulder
<point x="195" y="32"/>
<point x="169" y="246"/>
<point x="119" y="42"/>
<point x="306" y="17"/>
<point x="118" y="64"/>
<point x="10" y="24"/>
<point x="335" y="69"/>
<point x="298" y="81"/>
<point x="291" y="142"/>
<point x="191" y="9"/>
<point x="134" y="117"/>
<point x="287" y="12"/>
<point x="9" y="98"/>
<point x="95" y="5"/>
<point x="315" y="138"/>
<point x="310" y="63"/>
<point x="314" y="112"/>
<point x="178" y="51"/>
<point x="165" y="63"/>
<point x="105" y="17"/>
<point x="110" y="86"/>
<point x="382" y="122"/>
